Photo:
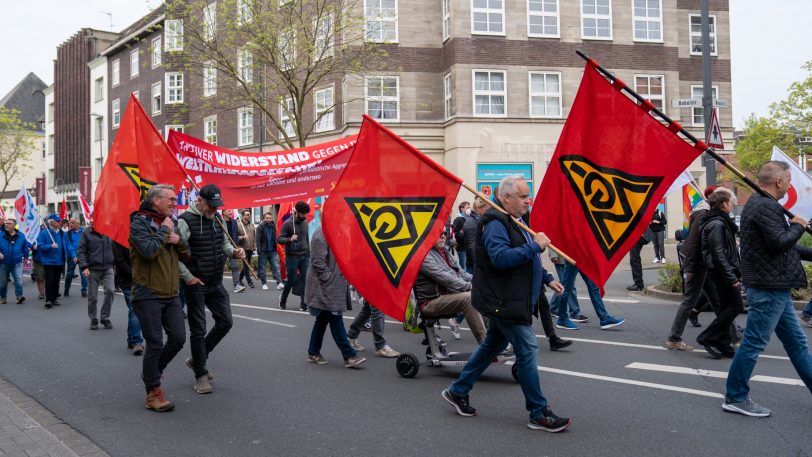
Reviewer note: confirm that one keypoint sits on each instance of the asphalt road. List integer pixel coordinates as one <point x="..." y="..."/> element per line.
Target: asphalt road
<point x="269" y="401"/>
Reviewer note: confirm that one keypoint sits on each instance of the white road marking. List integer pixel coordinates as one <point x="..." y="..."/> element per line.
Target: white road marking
<point x="263" y="321"/>
<point x="633" y="382"/>
<point x="711" y="373"/>
<point x="613" y="300"/>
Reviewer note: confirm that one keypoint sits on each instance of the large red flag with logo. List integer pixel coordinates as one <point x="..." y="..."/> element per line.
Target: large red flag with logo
<point x="138" y="159"/>
<point x="611" y="167"/>
<point x="384" y="215"/>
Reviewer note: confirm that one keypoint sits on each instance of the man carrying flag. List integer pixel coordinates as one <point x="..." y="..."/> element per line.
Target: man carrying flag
<point x="55" y="249"/>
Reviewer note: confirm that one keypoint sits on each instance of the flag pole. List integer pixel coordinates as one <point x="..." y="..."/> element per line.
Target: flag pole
<point x="676" y="127"/>
<point x="527" y="229"/>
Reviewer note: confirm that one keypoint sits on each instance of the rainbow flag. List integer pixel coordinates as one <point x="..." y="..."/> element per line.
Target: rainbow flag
<point x="690" y="198"/>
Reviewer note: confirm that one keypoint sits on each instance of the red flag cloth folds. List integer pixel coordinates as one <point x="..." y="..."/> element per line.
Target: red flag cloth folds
<point x="63" y="209"/>
<point x="138" y="159"/>
<point x="611" y="167"/>
<point x="384" y="215"/>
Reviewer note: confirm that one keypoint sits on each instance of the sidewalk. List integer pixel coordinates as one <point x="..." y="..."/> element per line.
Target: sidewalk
<point x="27" y="429"/>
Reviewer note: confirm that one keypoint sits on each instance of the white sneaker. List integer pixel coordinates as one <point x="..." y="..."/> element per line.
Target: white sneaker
<point x="280" y="285"/>
<point x="662" y="260"/>
<point x="264" y="287"/>
<point x="239" y="289"/>
<point x="356" y="345"/>
<point x="455" y="328"/>
<point x="656" y="260"/>
<point x="387" y="352"/>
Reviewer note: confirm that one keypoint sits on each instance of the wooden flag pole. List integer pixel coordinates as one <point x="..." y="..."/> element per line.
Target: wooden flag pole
<point x="521" y="224"/>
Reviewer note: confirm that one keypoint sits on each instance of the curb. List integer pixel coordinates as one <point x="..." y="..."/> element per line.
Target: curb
<point x="665" y="295"/>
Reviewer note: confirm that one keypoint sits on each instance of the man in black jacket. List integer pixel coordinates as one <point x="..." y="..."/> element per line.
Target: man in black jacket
<point x="266" y="249"/>
<point x="96" y="264"/>
<point x="508" y="279"/>
<point x="771" y="268"/>
<point x="124" y="281"/>
<point x="295" y="235"/>
<point x="459" y="233"/>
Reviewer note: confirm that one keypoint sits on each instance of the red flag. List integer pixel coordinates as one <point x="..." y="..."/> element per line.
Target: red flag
<point x="86" y="211"/>
<point x="612" y="165"/>
<point x="63" y="209"/>
<point x="139" y="158"/>
<point x="384" y="215"/>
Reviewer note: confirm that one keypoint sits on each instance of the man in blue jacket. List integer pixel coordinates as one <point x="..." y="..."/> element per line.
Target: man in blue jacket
<point x="74" y="234"/>
<point x="55" y="249"/>
<point x="13" y="249"/>
<point x="507" y="283"/>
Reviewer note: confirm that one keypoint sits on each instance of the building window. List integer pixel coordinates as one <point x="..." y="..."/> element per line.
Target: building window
<point x="174" y="88"/>
<point x="381" y="20"/>
<point x="545" y="94"/>
<point x="173" y="35"/>
<point x="116" y="113"/>
<point x="210" y="21"/>
<point x="156" y="52"/>
<point x="50" y="112"/>
<point x="446" y="19"/>
<point x="324" y="38"/>
<point x="51" y="143"/>
<point x="383" y="97"/>
<point x="51" y="176"/>
<point x="115" y="73"/>
<point x="245" y="118"/>
<point x="98" y="168"/>
<point x="134" y="64"/>
<point x="447" y="95"/>
<point x="44" y="150"/>
<point x="696" y="34"/>
<point x="287" y="50"/>
<point x="209" y="79"/>
<point x="98" y="89"/>
<point x="176" y="127"/>
<point x="488" y="17"/>
<point x="245" y="62"/>
<point x="542" y="18"/>
<point x="647" y="20"/>
<point x="325" y="110"/>
<point x="285" y="116"/>
<point x="210" y="129"/>
<point x="244" y="14"/>
<point x="490" y="93"/>
<point x="596" y="19"/>
<point x="156" y="98"/>
<point x="98" y="128"/>
<point x="652" y="88"/>
<point x="698" y="113"/>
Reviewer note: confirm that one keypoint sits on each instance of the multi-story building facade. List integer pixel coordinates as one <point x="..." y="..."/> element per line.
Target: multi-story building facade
<point x="99" y="118"/>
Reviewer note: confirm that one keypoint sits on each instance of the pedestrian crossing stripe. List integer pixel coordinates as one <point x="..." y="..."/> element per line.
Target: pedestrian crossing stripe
<point x="132" y="172"/>
<point x="395" y="228"/>
<point x="613" y="201"/>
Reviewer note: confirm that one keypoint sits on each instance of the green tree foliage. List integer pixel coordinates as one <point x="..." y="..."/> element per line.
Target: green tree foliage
<point x="17" y="140"/>
<point x="760" y="135"/>
<point x="796" y="110"/>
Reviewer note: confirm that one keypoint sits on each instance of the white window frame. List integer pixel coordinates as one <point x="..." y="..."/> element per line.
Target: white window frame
<point x="210" y="129"/>
<point x="287" y="49"/>
<point x="447" y="95"/>
<point x="558" y="95"/>
<point x="285" y="118"/>
<point x="157" y="56"/>
<point x="715" y="95"/>
<point x="383" y="98"/>
<point x="489" y="93"/>
<point x="210" y="21"/>
<point x="153" y="95"/>
<point x="244" y="140"/>
<point x="115" y="73"/>
<point x="542" y="15"/>
<point x="648" y="96"/>
<point x="488" y="11"/>
<point x="381" y="19"/>
<point x="98" y="128"/>
<point x="176" y="127"/>
<point x="209" y="79"/>
<point x="134" y="61"/>
<point x="446" y="6"/>
<point x="170" y="88"/>
<point x="173" y="35"/>
<point x="245" y="64"/>
<point x="115" y="108"/>
<point x="692" y="34"/>
<point x="323" y="42"/>
<point x="596" y="17"/>
<point x="244" y="15"/>
<point x="98" y="89"/>
<point x="648" y="20"/>
<point x="327" y="122"/>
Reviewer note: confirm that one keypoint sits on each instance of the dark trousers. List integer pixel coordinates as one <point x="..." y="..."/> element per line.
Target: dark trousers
<point x="336" y="323"/>
<point x="53" y="273"/>
<point x="545" y="318"/>
<point x="246" y="273"/>
<point x="158" y="315"/>
<point x="730" y="305"/>
<point x="213" y="296"/>
<point x="693" y="284"/>
<point x="658" y="241"/>
<point x="636" y="264"/>
<point x="296" y="266"/>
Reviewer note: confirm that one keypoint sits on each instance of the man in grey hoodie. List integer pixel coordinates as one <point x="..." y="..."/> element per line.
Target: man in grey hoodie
<point x="96" y="264"/>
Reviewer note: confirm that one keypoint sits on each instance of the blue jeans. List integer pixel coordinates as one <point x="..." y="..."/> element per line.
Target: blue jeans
<point x="496" y="340"/>
<point x="568" y="281"/>
<point x="808" y="309"/>
<point x="461" y="255"/>
<point x="271" y="257"/>
<point x="133" y="324"/>
<point x="556" y="304"/>
<point x="16" y="272"/>
<point x="770" y="311"/>
<point x="336" y="323"/>
<point x="70" y="273"/>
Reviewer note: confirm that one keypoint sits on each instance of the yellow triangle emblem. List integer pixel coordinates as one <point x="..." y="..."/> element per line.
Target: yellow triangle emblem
<point x="132" y="172"/>
<point x="613" y="201"/>
<point x="395" y="228"/>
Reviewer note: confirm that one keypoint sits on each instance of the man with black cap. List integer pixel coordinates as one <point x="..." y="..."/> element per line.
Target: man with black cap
<point x="54" y="249"/>
<point x="200" y="228"/>
<point x="295" y="235"/>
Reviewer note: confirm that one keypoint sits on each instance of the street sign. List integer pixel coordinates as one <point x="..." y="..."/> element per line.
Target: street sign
<point x="696" y="103"/>
<point x="805" y="139"/>
<point x="715" y="133"/>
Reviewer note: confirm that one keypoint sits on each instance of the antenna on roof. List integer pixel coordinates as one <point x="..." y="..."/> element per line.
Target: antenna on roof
<point x="110" y="15"/>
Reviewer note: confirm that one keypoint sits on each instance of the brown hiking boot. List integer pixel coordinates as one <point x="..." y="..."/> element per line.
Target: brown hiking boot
<point x="157" y="402"/>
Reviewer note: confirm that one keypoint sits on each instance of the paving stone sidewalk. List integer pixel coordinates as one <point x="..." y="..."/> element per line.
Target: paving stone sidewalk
<point x="28" y="429"/>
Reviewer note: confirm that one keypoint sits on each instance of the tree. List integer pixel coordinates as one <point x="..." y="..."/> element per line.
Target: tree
<point x="795" y="111"/>
<point x="273" y="55"/>
<point x="760" y="135"/>
<point x="17" y="140"/>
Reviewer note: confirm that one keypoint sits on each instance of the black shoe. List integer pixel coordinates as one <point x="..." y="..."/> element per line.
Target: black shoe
<point x="20" y="299"/>
<point x="282" y="304"/>
<point x="84" y="294"/>
<point x="48" y="305"/>
<point x="727" y="351"/>
<point x="251" y="285"/>
<point x="714" y="351"/>
<point x="559" y="343"/>
<point x="56" y="303"/>
<point x="459" y="403"/>
<point x="303" y="308"/>
<point x="66" y="293"/>
<point x="107" y="324"/>
<point x="94" y="324"/>
<point x="693" y="318"/>
<point x="634" y="287"/>
<point x="549" y="422"/>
